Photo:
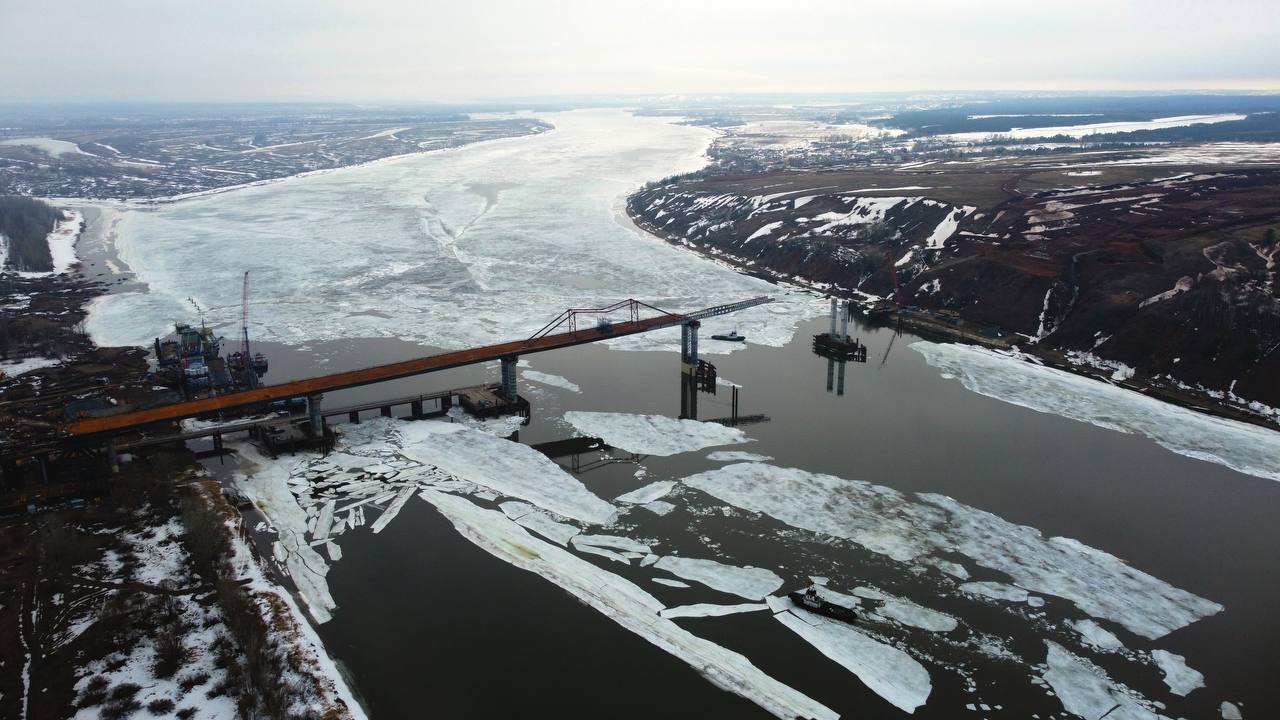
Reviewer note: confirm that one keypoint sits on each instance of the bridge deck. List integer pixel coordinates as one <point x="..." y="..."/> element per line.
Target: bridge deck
<point x="366" y="376"/>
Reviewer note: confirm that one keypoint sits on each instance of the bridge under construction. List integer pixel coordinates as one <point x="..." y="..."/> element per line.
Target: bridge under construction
<point x="576" y="326"/>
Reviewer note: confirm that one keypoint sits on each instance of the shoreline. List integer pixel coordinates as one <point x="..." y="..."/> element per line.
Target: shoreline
<point x="143" y="203"/>
<point x="94" y="249"/>
<point x="930" y="326"/>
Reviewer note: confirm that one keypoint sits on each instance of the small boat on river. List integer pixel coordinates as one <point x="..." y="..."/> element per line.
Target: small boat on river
<point x="810" y="599"/>
<point x="731" y="337"/>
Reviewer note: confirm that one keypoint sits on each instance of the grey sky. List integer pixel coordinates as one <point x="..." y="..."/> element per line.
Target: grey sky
<point x="95" y="50"/>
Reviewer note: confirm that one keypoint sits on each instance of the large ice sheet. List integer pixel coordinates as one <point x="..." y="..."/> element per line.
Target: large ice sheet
<point x="509" y="468"/>
<point x="454" y="249"/>
<point x="909" y="529"/>
<point x="627" y="604"/>
<point x="1240" y="446"/>
<point x="653" y="434"/>
<point x="749" y="582"/>
<point x="1086" y="691"/>
<point x="890" y="672"/>
<point x="1180" y="678"/>
<point x="711" y="610"/>
<point x="646" y="494"/>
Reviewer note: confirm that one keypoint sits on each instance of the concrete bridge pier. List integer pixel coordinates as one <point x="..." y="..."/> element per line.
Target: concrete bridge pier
<point x="833" y="317"/>
<point x="113" y="458"/>
<point x="689" y="347"/>
<point x="509" y="377"/>
<point x="317" y="419"/>
<point x="844" y="320"/>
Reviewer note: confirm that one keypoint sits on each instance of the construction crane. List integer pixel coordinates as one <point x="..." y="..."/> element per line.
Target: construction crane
<point x="250" y="367"/>
<point x="897" y="316"/>
<point x="244" y="318"/>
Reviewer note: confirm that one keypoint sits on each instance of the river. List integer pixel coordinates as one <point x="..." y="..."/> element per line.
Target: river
<point x="1011" y="560"/>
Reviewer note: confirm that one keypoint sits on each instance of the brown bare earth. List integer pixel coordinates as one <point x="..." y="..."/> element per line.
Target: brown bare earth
<point x="1164" y="269"/>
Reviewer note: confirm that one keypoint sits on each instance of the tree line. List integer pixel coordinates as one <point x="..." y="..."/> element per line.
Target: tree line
<point x="26" y="223"/>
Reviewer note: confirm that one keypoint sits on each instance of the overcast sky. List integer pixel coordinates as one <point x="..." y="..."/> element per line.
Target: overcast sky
<point x="387" y="50"/>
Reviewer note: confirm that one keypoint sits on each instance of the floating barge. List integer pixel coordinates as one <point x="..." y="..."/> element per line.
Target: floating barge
<point x="840" y="348"/>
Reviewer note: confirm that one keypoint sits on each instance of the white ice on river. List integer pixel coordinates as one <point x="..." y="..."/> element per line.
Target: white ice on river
<point x="752" y="583"/>
<point x="911" y="529"/>
<point x="1088" y="692"/>
<point x="452" y="249"/>
<point x="653" y="434"/>
<point x="627" y="604"/>
<point x="512" y="469"/>
<point x="1180" y="678"/>
<point x="891" y="673"/>
<point x="1240" y="446"/>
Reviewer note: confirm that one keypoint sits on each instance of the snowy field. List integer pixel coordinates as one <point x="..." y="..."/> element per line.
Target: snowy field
<point x="450" y="249"/>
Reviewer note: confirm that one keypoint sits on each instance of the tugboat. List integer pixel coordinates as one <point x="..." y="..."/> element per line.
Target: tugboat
<point x="810" y="600"/>
<point x="731" y="337"/>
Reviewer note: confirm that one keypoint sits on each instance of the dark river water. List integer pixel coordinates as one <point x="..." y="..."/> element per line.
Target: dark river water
<point x="429" y="624"/>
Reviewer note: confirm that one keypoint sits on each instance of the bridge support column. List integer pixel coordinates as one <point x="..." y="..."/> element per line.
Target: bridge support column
<point x="354" y="417"/>
<point x="385" y="410"/>
<point x="509" y="377"/>
<point x="831" y="371"/>
<point x="317" y="420"/>
<point x="833" y="317"/>
<point x="844" y="320"/>
<point x="689" y="347"/>
<point x="113" y="458"/>
<point x="840" y="379"/>
<point x="415" y="408"/>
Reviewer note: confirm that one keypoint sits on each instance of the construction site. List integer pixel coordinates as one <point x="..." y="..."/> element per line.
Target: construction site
<point x="193" y="380"/>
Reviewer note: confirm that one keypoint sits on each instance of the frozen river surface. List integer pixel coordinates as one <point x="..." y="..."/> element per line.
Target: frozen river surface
<point x="1040" y="554"/>
<point x="451" y="249"/>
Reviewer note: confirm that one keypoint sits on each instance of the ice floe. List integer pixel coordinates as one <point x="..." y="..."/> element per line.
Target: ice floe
<point x="995" y="591"/>
<point x="890" y="672"/>
<point x="1086" y="691"/>
<point x="752" y="583"/>
<point x="627" y="604"/>
<point x="670" y="583"/>
<point x="653" y="434"/>
<point x="646" y="494"/>
<point x="711" y="610"/>
<point x="736" y="456"/>
<point x="891" y="523"/>
<point x="552" y="380"/>
<point x="612" y="542"/>
<point x="1240" y="446"/>
<point x="512" y="469"/>
<point x="1180" y="678"/>
<point x="1094" y="634"/>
